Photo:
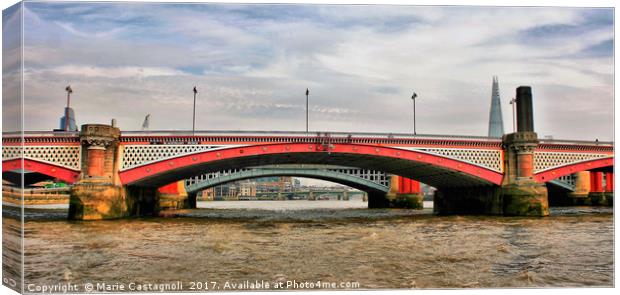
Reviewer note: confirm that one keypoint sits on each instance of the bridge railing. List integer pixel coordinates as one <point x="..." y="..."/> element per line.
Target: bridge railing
<point x="301" y="136"/>
<point x="314" y="134"/>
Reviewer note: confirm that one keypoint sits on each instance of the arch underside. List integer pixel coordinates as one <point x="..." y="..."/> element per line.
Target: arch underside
<point x="341" y="178"/>
<point x="29" y="178"/>
<point x="34" y="171"/>
<point x="561" y="185"/>
<point x="433" y="170"/>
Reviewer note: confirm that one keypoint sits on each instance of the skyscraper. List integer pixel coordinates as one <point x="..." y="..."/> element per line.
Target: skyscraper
<point x="496" y="124"/>
<point x="71" y="121"/>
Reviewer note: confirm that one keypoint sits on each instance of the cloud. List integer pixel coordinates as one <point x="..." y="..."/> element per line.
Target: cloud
<point x="252" y="64"/>
<point x="103" y="34"/>
<point x="114" y="72"/>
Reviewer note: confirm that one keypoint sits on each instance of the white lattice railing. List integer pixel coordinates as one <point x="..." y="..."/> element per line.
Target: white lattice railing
<point x="65" y="156"/>
<point x="490" y="159"/>
<point x="548" y="160"/>
<point x="137" y="155"/>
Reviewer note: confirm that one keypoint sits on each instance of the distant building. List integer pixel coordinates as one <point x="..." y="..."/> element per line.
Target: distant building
<point x="250" y="188"/>
<point x="274" y="184"/>
<point x="207" y="194"/>
<point x="496" y="124"/>
<point x="247" y="189"/>
<point x="71" y="121"/>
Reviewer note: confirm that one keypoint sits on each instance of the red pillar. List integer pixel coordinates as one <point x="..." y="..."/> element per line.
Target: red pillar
<point x="408" y="186"/>
<point x="172" y="188"/>
<point x="415" y="187"/>
<point x="525" y="164"/>
<point x="96" y="160"/>
<point x="609" y="181"/>
<point x="403" y="185"/>
<point x="596" y="182"/>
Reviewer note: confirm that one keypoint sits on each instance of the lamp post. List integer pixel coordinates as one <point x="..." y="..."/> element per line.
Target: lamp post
<point x="194" y="116"/>
<point x="69" y="91"/>
<point x="413" y="97"/>
<point x="307" y="93"/>
<point x="513" y="102"/>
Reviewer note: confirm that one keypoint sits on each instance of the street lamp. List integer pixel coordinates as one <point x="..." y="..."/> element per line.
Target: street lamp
<point x="69" y="91"/>
<point x="194" y="117"/>
<point x="413" y="97"/>
<point x="307" y="93"/>
<point x="513" y="102"/>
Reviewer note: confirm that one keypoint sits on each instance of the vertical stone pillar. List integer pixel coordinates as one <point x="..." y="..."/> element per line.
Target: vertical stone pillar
<point x="582" y="189"/>
<point x="98" y="195"/>
<point x="525" y="160"/>
<point x="345" y="196"/>
<point x="394" y="185"/>
<point x="520" y="193"/>
<point x="174" y="196"/>
<point x="96" y="160"/>
<point x="100" y="143"/>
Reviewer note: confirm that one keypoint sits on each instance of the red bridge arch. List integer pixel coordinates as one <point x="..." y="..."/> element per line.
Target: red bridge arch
<point x="65" y="174"/>
<point x="569" y="169"/>
<point x="432" y="169"/>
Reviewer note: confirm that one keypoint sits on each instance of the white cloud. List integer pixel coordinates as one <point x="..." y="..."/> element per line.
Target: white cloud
<point x="114" y="72"/>
<point x="360" y="62"/>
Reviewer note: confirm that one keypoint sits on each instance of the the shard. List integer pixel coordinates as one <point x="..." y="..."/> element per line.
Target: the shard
<point x="496" y="124"/>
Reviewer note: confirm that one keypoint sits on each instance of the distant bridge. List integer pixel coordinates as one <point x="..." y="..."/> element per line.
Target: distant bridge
<point x="365" y="180"/>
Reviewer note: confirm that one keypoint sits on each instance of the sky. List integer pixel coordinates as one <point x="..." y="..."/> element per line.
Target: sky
<point x="253" y="63"/>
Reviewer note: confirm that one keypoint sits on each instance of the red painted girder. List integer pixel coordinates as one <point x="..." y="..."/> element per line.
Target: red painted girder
<point x="554" y="173"/>
<point x="65" y="174"/>
<point x="135" y="174"/>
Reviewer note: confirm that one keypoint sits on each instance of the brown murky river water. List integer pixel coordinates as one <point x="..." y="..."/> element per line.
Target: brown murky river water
<point x="334" y="242"/>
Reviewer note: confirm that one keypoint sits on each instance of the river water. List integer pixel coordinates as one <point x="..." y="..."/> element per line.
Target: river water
<point x="236" y="243"/>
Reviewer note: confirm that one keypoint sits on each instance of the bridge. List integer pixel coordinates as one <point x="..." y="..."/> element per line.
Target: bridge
<point x="116" y="174"/>
<point x="365" y="180"/>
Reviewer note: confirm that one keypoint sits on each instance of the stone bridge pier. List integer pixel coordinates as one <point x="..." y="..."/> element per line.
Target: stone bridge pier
<point x="174" y="196"/>
<point x="519" y="194"/>
<point x="99" y="194"/>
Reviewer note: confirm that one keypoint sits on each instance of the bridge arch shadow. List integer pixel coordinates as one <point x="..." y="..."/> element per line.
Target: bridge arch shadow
<point x="34" y="171"/>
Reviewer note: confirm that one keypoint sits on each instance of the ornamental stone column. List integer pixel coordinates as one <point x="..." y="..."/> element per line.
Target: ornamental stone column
<point x="520" y="193"/>
<point x="98" y="194"/>
<point x="99" y="147"/>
